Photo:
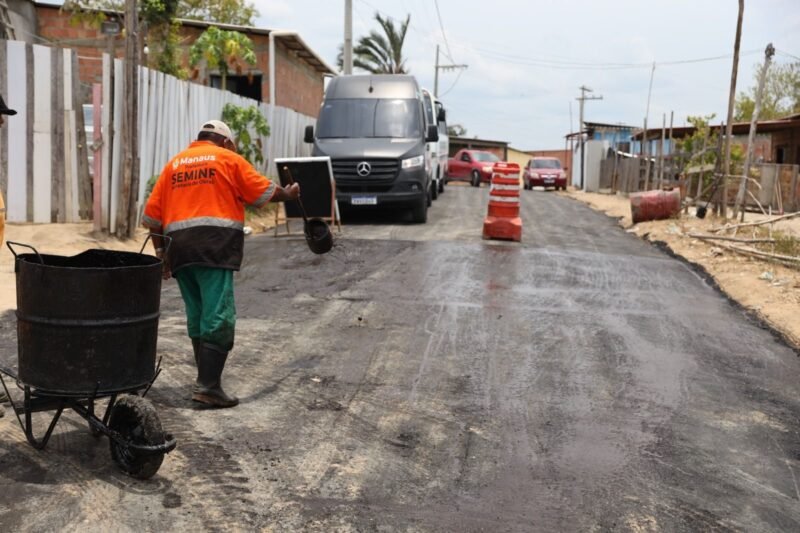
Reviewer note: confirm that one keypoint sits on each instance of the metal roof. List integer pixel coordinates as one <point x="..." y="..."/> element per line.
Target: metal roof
<point x="478" y="142"/>
<point x="608" y="126"/>
<point x="739" y="128"/>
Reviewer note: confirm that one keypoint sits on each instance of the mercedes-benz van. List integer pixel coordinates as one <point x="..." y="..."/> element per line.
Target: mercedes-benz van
<point x="374" y="130"/>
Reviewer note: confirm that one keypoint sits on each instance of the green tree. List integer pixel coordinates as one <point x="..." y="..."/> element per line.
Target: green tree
<point x="159" y="24"/>
<point x="690" y="148"/>
<point x="222" y="50"/>
<point x="156" y="22"/>
<point x="781" y="94"/>
<point x="248" y="126"/>
<point x="381" y="53"/>
<point x="456" y="130"/>
<point x="238" y="12"/>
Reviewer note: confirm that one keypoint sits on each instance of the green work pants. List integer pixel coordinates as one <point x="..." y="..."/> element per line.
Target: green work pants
<point x="210" y="309"/>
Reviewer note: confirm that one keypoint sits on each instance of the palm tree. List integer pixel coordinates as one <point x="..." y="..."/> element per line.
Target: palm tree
<point x="382" y="54"/>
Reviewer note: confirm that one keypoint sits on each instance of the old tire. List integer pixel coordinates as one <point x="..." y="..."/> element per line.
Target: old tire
<point x="136" y="420"/>
<point x="419" y="214"/>
<point x="476" y="179"/>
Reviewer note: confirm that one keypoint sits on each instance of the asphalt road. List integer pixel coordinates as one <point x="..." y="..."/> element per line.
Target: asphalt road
<point x="421" y="379"/>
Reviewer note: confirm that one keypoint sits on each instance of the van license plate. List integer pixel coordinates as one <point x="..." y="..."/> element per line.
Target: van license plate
<point x="364" y="200"/>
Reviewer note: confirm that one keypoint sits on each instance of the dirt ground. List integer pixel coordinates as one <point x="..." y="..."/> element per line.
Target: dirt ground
<point x="771" y="291"/>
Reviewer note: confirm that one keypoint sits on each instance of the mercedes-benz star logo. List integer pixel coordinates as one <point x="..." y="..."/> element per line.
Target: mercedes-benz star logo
<point x="363" y="169"/>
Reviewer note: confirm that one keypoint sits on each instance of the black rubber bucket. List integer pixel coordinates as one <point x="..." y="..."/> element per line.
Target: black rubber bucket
<point x="318" y="236"/>
<point x="88" y="322"/>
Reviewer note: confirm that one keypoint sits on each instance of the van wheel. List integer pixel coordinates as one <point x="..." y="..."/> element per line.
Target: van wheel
<point x="419" y="214"/>
<point x="441" y="184"/>
<point x="434" y="190"/>
<point x="476" y="179"/>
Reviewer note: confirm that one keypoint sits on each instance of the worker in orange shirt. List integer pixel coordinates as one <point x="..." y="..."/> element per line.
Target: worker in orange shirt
<point x="3" y="111"/>
<point x="198" y="202"/>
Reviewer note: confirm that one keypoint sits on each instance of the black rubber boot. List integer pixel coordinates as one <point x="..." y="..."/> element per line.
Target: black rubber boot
<point x="208" y="389"/>
<point x="197" y="345"/>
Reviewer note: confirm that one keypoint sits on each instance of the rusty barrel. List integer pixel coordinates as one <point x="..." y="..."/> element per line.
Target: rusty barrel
<point x="655" y="205"/>
<point x="88" y="322"/>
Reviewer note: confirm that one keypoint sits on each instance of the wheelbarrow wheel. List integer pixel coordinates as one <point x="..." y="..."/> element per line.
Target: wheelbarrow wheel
<point x="136" y="421"/>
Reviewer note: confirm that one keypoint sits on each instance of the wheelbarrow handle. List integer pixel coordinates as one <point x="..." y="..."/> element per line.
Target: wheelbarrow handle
<point x="9" y="243"/>
<point x="165" y="237"/>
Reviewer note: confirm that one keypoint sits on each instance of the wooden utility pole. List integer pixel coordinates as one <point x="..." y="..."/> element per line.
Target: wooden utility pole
<point x="726" y="170"/>
<point x="437" y="67"/>
<point x="127" y="211"/>
<point x="661" y="151"/>
<point x="751" y="136"/>
<point x="646" y="152"/>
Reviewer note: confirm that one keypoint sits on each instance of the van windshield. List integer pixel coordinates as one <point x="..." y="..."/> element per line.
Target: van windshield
<point x="369" y="117"/>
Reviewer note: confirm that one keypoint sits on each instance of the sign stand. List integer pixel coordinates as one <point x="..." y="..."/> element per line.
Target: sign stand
<point x="317" y="187"/>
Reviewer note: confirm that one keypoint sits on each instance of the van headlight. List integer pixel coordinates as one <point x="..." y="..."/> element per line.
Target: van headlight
<point x="413" y="162"/>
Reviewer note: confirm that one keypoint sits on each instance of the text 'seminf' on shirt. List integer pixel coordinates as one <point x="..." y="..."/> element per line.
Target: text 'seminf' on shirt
<point x="199" y="201"/>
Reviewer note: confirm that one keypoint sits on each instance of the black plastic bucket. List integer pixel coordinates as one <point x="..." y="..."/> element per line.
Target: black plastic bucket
<point x="318" y="236"/>
<point x="88" y="322"/>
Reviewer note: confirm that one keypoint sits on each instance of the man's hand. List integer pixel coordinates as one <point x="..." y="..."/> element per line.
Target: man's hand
<point x="292" y="191"/>
<point x="166" y="272"/>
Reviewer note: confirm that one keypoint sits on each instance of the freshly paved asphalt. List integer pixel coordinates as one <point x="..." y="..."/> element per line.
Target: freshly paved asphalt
<point x="418" y="378"/>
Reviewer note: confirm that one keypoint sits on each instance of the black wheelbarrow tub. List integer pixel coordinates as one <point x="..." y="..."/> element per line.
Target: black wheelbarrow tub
<point x="88" y="323"/>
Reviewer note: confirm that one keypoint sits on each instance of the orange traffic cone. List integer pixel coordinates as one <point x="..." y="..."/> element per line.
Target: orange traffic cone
<point x="503" y="220"/>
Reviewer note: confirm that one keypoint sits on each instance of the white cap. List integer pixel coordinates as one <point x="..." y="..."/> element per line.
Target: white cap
<point x="218" y="127"/>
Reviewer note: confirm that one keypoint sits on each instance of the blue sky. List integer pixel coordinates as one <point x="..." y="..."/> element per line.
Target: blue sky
<point x="527" y="58"/>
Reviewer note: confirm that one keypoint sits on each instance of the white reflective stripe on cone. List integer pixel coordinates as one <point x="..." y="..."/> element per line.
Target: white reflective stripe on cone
<point x="498" y="187"/>
<point x="506" y="199"/>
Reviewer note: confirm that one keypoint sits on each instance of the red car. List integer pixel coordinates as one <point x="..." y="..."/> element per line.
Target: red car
<point x="474" y="166"/>
<point x="544" y="172"/>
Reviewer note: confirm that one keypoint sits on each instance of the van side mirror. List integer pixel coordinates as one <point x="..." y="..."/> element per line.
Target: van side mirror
<point x="309" y="136"/>
<point x="431" y="137"/>
<point x="441" y="115"/>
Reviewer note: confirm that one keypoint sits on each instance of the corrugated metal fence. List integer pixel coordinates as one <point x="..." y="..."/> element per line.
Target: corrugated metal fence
<point x="44" y="172"/>
<point x="171" y="112"/>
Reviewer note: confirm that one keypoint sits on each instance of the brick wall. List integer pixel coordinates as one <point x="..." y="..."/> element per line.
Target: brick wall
<point x="298" y="87"/>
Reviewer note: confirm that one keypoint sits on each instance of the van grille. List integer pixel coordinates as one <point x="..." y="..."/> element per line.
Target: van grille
<point x="381" y="177"/>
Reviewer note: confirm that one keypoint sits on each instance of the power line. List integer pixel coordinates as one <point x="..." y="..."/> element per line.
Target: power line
<point x="787" y="54"/>
<point x="460" y="72"/>
<point x="444" y="36"/>
<point x="582" y="65"/>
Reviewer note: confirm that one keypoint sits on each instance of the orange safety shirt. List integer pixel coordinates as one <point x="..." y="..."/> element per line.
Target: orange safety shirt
<point x="199" y="201"/>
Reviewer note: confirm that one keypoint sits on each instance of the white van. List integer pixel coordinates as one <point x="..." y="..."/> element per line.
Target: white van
<point x="444" y="144"/>
<point x="436" y="152"/>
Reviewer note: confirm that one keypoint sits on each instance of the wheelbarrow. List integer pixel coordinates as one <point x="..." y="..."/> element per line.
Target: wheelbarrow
<point x="87" y="327"/>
